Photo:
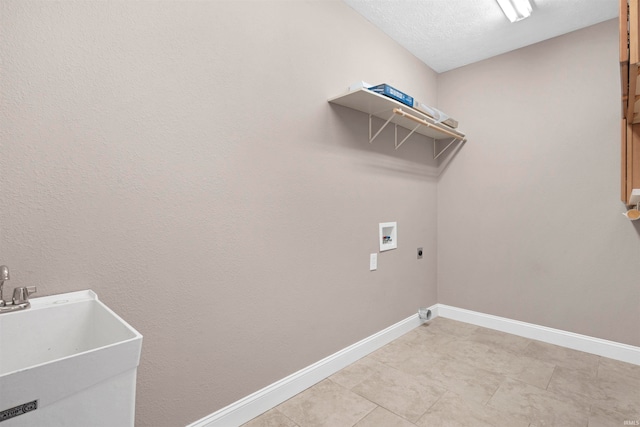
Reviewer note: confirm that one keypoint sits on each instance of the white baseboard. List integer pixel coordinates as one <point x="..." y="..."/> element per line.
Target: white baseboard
<point x="610" y="349"/>
<point x="261" y="401"/>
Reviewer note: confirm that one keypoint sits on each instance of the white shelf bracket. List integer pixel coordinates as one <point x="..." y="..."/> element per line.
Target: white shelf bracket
<point x="436" y="155"/>
<point x="371" y="138"/>
<point x="406" y="137"/>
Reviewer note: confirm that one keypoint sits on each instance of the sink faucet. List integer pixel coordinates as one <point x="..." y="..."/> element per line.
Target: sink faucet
<point x="20" y="299"/>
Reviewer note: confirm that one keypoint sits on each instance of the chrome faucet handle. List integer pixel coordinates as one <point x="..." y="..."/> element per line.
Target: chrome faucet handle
<point x="4" y="275"/>
<point x="4" y="272"/>
<point x="21" y="295"/>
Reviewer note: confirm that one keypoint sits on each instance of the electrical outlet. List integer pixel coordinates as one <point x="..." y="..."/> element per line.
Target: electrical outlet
<point x="419" y="253"/>
<point x="373" y="262"/>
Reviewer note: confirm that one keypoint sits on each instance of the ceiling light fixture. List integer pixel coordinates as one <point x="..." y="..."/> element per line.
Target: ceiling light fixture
<point x="515" y="10"/>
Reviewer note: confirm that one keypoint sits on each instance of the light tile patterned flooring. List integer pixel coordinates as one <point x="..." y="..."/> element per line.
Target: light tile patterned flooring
<point x="447" y="373"/>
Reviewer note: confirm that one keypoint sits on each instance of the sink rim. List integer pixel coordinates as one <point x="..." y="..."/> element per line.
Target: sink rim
<point x="57" y="300"/>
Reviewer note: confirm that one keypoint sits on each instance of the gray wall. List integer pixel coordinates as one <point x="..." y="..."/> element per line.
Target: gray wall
<point x="181" y="160"/>
<point x="529" y="212"/>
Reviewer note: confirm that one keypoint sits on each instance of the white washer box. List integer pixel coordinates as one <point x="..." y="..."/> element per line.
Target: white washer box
<point x="388" y="235"/>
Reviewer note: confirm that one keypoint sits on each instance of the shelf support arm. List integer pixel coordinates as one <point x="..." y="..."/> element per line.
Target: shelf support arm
<point x="435" y="156"/>
<point x="406" y="137"/>
<point x="380" y="130"/>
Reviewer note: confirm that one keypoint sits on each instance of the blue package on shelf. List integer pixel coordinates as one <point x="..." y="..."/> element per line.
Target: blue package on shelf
<point x="386" y="90"/>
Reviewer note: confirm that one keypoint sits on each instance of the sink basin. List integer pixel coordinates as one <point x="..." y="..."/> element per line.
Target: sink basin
<point x="67" y="361"/>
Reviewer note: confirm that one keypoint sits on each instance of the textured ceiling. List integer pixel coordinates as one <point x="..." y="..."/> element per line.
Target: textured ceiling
<point x="447" y="34"/>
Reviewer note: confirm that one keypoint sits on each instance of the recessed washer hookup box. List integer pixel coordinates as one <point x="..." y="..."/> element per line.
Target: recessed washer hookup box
<point x="386" y="90"/>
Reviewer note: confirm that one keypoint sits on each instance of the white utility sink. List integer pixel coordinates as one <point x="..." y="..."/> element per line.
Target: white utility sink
<point x="68" y="360"/>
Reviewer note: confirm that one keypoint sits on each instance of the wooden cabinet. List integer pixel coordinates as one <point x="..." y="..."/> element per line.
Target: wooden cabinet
<point x="630" y="80"/>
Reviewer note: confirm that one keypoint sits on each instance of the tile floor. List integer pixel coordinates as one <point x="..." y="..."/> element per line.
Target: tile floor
<point x="448" y="373"/>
